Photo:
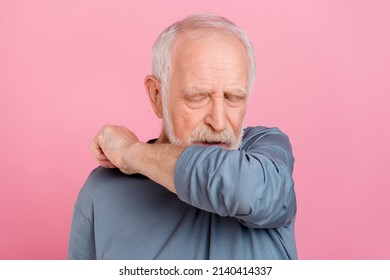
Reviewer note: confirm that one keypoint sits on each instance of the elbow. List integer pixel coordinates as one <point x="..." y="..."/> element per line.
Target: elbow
<point x="272" y="202"/>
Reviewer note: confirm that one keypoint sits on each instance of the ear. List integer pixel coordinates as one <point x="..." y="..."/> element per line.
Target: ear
<point x="153" y="90"/>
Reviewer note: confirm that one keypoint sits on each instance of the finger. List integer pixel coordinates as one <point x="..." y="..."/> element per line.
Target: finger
<point x="96" y="148"/>
<point x="100" y="156"/>
<point x="106" y="164"/>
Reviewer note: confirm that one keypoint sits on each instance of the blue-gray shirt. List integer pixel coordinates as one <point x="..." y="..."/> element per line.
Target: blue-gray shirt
<point x="229" y="205"/>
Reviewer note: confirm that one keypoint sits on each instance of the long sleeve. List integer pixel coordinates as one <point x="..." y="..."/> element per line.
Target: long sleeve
<point x="81" y="241"/>
<point x="253" y="184"/>
<point x="82" y="234"/>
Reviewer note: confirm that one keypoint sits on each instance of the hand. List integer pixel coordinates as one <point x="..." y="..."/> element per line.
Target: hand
<point x="111" y="148"/>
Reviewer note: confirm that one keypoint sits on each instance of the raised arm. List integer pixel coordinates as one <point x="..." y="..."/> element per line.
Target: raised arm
<point x="253" y="184"/>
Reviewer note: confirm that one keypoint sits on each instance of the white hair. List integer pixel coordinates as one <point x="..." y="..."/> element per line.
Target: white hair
<point x="162" y="48"/>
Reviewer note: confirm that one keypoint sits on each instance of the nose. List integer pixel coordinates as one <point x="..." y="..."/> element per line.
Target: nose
<point x="216" y="118"/>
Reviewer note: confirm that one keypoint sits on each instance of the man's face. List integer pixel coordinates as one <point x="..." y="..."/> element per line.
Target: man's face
<point x="208" y="91"/>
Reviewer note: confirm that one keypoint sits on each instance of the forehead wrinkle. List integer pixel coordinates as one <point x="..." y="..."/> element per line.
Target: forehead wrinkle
<point x="217" y="77"/>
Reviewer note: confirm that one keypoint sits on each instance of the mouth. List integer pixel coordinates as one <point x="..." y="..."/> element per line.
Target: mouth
<point x="221" y="144"/>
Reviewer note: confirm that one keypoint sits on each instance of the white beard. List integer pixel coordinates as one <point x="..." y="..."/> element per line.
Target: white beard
<point x="200" y="134"/>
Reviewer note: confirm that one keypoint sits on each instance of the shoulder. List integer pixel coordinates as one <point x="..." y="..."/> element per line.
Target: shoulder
<point x="104" y="184"/>
<point x="99" y="179"/>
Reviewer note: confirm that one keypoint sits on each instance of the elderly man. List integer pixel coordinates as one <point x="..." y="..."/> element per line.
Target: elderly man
<point x="205" y="188"/>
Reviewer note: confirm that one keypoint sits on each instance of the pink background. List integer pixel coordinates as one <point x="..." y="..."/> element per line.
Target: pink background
<point x="69" y="67"/>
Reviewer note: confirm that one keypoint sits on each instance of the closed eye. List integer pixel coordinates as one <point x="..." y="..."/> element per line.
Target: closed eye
<point x="197" y="100"/>
<point x="235" y="99"/>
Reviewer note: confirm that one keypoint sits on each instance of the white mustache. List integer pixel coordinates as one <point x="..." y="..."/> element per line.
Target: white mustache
<point x="206" y="134"/>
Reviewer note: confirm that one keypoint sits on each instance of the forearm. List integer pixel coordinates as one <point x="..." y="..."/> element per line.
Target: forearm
<point x="156" y="161"/>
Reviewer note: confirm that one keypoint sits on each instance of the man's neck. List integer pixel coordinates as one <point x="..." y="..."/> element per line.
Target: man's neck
<point x="162" y="139"/>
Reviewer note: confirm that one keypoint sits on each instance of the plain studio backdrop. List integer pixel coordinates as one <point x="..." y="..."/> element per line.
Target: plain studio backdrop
<point x="69" y="67"/>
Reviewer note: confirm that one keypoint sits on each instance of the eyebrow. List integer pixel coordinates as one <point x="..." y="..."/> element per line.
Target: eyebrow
<point x="237" y="91"/>
<point x="196" y="90"/>
<point x="201" y="90"/>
